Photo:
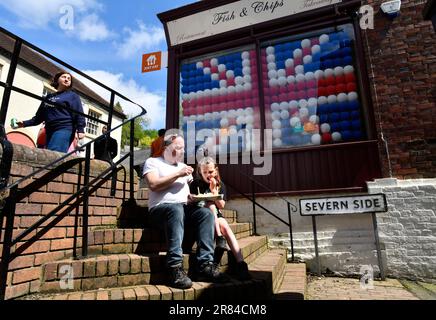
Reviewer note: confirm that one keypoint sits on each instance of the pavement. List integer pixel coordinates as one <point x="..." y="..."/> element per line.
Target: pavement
<point x="335" y="288"/>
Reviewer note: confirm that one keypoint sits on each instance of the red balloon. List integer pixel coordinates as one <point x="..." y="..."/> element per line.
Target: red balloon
<point x="331" y="90"/>
<point x="267" y="91"/>
<point x="274" y="91"/>
<point x="351" y="86"/>
<point x="298" y="61"/>
<point x="322" y="91"/>
<point x="340" y="79"/>
<point x="215" y="99"/>
<point x="314" y="41"/>
<point x="326" y="138"/>
<point x="350" y="77"/>
<point x="330" y="81"/>
<point x="301" y="94"/>
<point x="223" y="75"/>
<point x="207" y="108"/>
<point x="340" y="88"/>
<point x="290" y="71"/>
<point x="301" y="85"/>
<point x="249" y="102"/>
<point x="292" y="87"/>
<point x="185" y="104"/>
<point x="231" y="82"/>
<point x="206" y="63"/>
<point x="274" y="99"/>
<point x="267" y="100"/>
<point x="283" y="97"/>
<point x="311" y="84"/>
<point x="284" y="89"/>
<point x="307" y="52"/>
<point x="231" y="97"/>
<point x="322" y="83"/>
<point x="214" y="69"/>
<point x="292" y="95"/>
<point x="312" y="93"/>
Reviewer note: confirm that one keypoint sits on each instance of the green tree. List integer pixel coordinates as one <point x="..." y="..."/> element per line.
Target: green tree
<point x="139" y="126"/>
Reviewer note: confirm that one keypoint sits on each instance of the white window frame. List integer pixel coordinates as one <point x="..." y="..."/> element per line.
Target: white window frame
<point x="92" y="126"/>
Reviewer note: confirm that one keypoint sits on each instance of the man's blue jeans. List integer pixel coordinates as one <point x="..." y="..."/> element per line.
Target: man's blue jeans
<point x="172" y="218"/>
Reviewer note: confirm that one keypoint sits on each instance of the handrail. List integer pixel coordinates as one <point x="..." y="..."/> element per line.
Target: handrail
<point x="54" y="168"/>
<point x="255" y="203"/>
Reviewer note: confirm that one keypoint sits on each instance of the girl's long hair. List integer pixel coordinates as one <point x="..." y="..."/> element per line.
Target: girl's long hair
<point x="207" y="161"/>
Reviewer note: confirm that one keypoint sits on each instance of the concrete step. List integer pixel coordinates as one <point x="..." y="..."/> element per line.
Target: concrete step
<point x="294" y="283"/>
<point x="266" y="270"/>
<point x="120" y="270"/>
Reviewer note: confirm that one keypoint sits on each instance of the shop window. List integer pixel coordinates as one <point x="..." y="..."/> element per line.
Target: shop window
<point x="91" y="124"/>
<point x="220" y="92"/>
<point x="310" y="91"/>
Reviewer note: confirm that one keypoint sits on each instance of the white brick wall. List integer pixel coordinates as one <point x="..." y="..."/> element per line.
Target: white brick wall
<point x="346" y="242"/>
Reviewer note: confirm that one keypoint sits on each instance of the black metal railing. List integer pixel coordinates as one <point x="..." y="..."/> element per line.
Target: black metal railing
<point x="12" y="194"/>
<point x="290" y="206"/>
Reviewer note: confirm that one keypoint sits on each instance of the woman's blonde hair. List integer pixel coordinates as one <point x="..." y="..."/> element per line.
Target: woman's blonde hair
<point x="206" y="161"/>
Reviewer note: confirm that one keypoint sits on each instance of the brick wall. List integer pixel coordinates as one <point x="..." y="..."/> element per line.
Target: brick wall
<point x="402" y="53"/>
<point x="57" y="242"/>
<point x="408" y="229"/>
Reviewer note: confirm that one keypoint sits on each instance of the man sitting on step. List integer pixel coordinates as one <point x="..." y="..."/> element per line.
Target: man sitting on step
<point x="168" y="178"/>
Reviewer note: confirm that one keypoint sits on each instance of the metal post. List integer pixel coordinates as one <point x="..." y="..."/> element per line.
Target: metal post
<point x="86" y="202"/>
<point x="10" y="80"/>
<point x="9" y="211"/>
<point x="377" y="244"/>
<point x="132" y="158"/>
<point x="253" y="194"/>
<point x="290" y="231"/>
<point x="76" y="218"/>
<point x="316" y="246"/>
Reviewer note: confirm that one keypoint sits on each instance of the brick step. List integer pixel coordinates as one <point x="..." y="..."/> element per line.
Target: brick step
<point x="273" y="261"/>
<point x="294" y="283"/>
<point x="115" y="241"/>
<point x="122" y="270"/>
<point x="263" y="271"/>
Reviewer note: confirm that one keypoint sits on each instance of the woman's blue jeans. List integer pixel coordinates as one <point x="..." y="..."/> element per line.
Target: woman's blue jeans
<point x="59" y="140"/>
<point x="172" y="218"/>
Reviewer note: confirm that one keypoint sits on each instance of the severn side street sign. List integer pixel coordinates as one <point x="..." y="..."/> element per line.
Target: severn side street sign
<point x="343" y="205"/>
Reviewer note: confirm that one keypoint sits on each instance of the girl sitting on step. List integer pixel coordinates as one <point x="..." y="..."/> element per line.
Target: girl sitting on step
<point x="208" y="181"/>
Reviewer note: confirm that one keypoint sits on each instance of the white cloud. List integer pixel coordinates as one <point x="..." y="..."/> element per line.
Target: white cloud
<point x="38" y="14"/>
<point x="83" y="21"/>
<point x="91" y="28"/>
<point x="144" y="38"/>
<point x="154" y="103"/>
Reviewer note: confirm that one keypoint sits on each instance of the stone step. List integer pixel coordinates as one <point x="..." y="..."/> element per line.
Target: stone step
<point x="264" y="276"/>
<point x="116" y="241"/>
<point x="294" y="283"/>
<point x="120" y="270"/>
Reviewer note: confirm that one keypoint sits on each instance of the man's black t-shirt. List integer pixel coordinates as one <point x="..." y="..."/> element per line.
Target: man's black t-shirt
<point x="111" y="152"/>
<point x="200" y="184"/>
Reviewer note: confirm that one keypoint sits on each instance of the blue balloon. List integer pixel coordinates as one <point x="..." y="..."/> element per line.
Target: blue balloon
<point x="200" y="72"/>
<point x="346" y="135"/>
<point x="345" y="125"/>
<point x="334" y="126"/>
<point x="192" y="74"/>
<point x="323" y="108"/>
<point x="342" y="106"/>
<point x="328" y="64"/>
<point x="185" y="82"/>
<point x="199" y="79"/>
<point x="185" y="74"/>
<point x="323" y="118"/>
<point x="229" y="66"/>
<point x="285" y="123"/>
<point x="316" y="57"/>
<point x="207" y="85"/>
<point x="312" y="110"/>
<point x="337" y="62"/>
<point x="333" y="107"/>
<point x="238" y="72"/>
<point x="347" y="60"/>
<point x="353" y="105"/>
<point x="237" y="64"/>
<point x="199" y="87"/>
<point x="281" y="65"/>
<point x="355" y="115"/>
<point x="215" y="84"/>
<point x="207" y="78"/>
<point x="356" y="124"/>
<point x="357" y="135"/>
<point x="185" y="89"/>
<point x="333" y="37"/>
<point x="344" y="116"/>
<point x="333" y="117"/>
<point x="287" y="46"/>
<point x="286" y="131"/>
<point x="184" y="67"/>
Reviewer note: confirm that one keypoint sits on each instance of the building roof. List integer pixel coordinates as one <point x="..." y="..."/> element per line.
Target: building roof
<point x="47" y="69"/>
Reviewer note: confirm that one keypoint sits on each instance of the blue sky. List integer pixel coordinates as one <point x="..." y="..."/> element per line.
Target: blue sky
<point x="105" y="39"/>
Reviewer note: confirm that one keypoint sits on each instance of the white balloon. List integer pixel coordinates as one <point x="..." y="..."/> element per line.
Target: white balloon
<point x="239" y="80"/>
<point x="332" y="99"/>
<point x="277" y="143"/>
<point x="199" y="65"/>
<point x="316" y="139"/>
<point x="208" y="116"/>
<point x="247" y="78"/>
<point x="299" y="70"/>
<point x="245" y="55"/>
<point x="223" y="91"/>
<point x="192" y="95"/>
<point x="239" y="88"/>
<point x="325" y="128"/>
<point x="276" y="124"/>
<point x="230" y="74"/>
<point x="215" y="115"/>
<point x="328" y="72"/>
<point x="249" y="111"/>
<point x="214" y="62"/>
<point x="247" y="86"/>
<point x="271" y="58"/>
<point x="246" y="70"/>
<point x="284" y="105"/>
<point x="336" y="136"/>
<point x="275" y="106"/>
<point x="215" y="76"/>
<point x="295" y="122"/>
<point x="185" y="97"/>
<point x="289" y="63"/>
<point x="207" y="93"/>
<point x="316" y="49"/>
<point x="249" y="119"/>
<point x="275" y="115"/>
<point x="319" y="74"/>
<point x="246" y="63"/>
<point x="305" y="43"/>
<point x="240" y="120"/>
<point x="339" y="71"/>
<point x="223" y="114"/>
<point x="284" y="115"/>
<point x="322" y="100"/>
<point x="270" y="50"/>
<point x="348" y="69"/>
<point x="314" y="119"/>
<point x="185" y="119"/>
<point x="193" y="118"/>
<point x="342" y="97"/>
<point x="215" y="92"/>
<point x="221" y="67"/>
<point x="200" y="117"/>
<point x="273" y="82"/>
<point x="206" y="70"/>
<point x="312" y="102"/>
<point x="240" y="112"/>
<point x="272" y="74"/>
<point x="272" y="66"/>
<point x="304" y="112"/>
<point x="307" y="59"/>
<point x="302" y="103"/>
<point x="293" y="104"/>
<point x="324" y="39"/>
<point x="309" y="76"/>
<point x="290" y="79"/>
<point x="298" y="53"/>
<point x="231" y="89"/>
<point x="223" y="84"/>
<point x="281" y="73"/>
<point x="231" y="113"/>
<point x="300" y="78"/>
<point x="352" y="96"/>
<point x="277" y="133"/>
<point x="282" y="81"/>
